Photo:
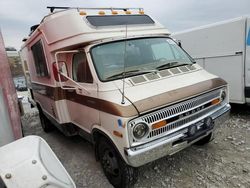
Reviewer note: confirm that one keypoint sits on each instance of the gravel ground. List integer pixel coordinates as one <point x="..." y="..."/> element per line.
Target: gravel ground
<point x="224" y="162"/>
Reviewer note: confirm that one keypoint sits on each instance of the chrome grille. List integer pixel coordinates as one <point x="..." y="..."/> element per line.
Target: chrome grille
<point x="180" y="108"/>
<point x="179" y="123"/>
<point x="193" y="109"/>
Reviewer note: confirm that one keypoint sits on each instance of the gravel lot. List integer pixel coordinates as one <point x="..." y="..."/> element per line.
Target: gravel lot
<point x="224" y="162"/>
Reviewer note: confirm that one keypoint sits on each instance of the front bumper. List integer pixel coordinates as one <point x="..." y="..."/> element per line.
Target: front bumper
<point x="140" y="155"/>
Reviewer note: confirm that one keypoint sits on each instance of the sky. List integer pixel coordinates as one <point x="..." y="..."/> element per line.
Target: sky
<point x="17" y="16"/>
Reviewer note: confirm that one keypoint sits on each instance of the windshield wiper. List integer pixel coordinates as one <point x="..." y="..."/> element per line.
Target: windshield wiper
<point x="130" y="73"/>
<point x="171" y="65"/>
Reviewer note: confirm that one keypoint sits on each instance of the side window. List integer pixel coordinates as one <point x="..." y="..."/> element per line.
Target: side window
<point x="81" y="71"/>
<point x="39" y="58"/>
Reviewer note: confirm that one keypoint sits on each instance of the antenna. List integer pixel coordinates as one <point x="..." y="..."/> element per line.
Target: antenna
<point x="124" y="67"/>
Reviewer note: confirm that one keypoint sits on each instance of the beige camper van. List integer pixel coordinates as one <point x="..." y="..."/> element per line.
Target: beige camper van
<point x="115" y="77"/>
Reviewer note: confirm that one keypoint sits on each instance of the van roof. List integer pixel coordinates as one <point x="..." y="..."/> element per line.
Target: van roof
<point x="72" y="26"/>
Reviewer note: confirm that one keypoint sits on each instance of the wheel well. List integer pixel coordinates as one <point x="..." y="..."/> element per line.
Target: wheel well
<point x="97" y="134"/>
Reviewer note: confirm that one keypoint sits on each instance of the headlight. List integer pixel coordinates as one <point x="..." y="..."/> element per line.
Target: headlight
<point x="223" y="95"/>
<point x="140" y="130"/>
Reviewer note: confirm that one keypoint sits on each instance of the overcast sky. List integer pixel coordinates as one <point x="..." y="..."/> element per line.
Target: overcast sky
<point x="16" y="16"/>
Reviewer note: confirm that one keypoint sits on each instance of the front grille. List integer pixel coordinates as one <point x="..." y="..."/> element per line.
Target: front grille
<point x="179" y="123"/>
<point x="177" y="115"/>
<point x="180" y="108"/>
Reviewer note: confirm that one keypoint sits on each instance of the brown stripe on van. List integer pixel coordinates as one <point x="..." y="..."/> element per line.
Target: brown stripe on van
<point x="145" y="105"/>
<point x="54" y="93"/>
<point x="102" y="105"/>
<point x="177" y="95"/>
<point x="116" y="109"/>
<point x="57" y="93"/>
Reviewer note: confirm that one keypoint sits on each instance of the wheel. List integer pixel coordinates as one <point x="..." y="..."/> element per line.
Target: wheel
<point x="45" y="122"/>
<point x="116" y="170"/>
<point x="204" y="140"/>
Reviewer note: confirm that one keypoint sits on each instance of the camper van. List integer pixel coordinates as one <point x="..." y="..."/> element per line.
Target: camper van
<point x="223" y="49"/>
<point x="115" y="77"/>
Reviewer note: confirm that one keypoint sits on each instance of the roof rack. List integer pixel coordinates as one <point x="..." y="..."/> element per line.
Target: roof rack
<point x="78" y="8"/>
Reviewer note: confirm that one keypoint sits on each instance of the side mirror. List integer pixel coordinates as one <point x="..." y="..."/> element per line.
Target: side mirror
<point x="61" y="72"/>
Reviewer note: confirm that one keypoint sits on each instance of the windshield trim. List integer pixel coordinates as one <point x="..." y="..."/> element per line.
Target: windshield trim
<point x="134" y="38"/>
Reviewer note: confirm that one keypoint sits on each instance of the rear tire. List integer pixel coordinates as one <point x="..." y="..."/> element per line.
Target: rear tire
<point x="204" y="140"/>
<point x="45" y="122"/>
<point x="116" y="170"/>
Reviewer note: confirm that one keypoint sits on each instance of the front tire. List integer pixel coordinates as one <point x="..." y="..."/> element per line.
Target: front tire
<point x="116" y="170"/>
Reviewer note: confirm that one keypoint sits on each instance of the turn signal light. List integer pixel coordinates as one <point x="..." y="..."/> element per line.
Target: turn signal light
<point x="159" y="124"/>
<point x="215" y="101"/>
<point x="114" y="12"/>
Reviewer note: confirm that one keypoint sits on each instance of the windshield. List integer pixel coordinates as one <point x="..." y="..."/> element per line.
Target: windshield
<point x="136" y="56"/>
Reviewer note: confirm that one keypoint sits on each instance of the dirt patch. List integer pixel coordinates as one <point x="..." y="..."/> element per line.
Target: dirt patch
<point x="224" y="162"/>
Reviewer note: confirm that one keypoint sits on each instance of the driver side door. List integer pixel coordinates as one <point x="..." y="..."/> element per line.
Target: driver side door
<point x="82" y="101"/>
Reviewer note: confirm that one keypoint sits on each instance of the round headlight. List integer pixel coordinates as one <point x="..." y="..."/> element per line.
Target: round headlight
<point x="140" y="130"/>
<point x="223" y="95"/>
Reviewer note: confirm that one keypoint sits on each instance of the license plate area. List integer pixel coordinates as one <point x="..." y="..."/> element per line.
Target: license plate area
<point x="197" y="130"/>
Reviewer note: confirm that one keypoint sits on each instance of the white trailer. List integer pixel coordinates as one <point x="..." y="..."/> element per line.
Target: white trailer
<point x="223" y="49"/>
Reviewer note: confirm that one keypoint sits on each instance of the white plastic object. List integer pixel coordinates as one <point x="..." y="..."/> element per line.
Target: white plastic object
<point x="29" y="163"/>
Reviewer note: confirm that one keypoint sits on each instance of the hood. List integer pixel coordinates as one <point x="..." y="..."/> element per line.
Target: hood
<point x="150" y="95"/>
<point x="155" y="94"/>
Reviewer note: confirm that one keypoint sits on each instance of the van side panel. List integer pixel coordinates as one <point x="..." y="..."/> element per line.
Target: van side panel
<point x="247" y="61"/>
<point x="220" y="49"/>
<point x="43" y="86"/>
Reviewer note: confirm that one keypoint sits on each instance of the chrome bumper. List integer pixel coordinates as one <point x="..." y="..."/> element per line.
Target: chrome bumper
<point x="140" y="155"/>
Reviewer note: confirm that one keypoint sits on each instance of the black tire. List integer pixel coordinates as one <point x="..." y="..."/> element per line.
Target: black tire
<point x="204" y="140"/>
<point x="45" y="122"/>
<point x="116" y="170"/>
